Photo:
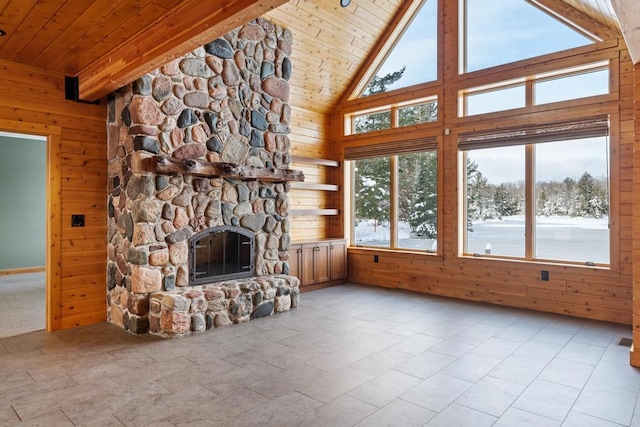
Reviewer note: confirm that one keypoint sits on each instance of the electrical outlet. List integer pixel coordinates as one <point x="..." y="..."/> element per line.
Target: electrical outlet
<point x="544" y="275"/>
<point x="77" y="220"/>
<point x="375" y="258"/>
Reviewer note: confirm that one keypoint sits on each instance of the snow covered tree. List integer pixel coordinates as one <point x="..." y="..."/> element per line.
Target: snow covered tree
<point x="424" y="214"/>
<point x="372" y="190"/>
<point x="380" y="84"/>
<point x="505" y="203"/>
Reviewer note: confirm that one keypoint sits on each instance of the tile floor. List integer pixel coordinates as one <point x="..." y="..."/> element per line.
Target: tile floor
<point x="349" y="355"/>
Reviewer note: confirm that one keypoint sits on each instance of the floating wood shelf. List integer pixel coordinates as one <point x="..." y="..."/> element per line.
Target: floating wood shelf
<point x="314" y="186"/>
<point x="169" y="166"/>
<point x="314" y="212"/>
<point x="314" y="161"/>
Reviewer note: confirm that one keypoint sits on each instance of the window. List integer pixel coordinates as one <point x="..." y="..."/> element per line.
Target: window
<point x="503" y="31"/>
<point x="566" y="215"/>
<point x="414" y="58"/>
<point x="494" y="99"/>
<point x="415" y="112"/>
<point x="572" y="86"/>
<point x="395" y="197"/>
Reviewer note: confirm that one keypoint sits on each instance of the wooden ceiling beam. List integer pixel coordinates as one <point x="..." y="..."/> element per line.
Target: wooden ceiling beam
<point x="628" y="12"/>
<point x="182" y="29"/>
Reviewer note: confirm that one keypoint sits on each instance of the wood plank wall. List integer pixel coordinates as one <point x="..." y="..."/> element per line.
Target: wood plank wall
<point x="589" y="292"/>
<point x="635" y="350"/>
<point x="33" y="99"/>
<point x="309" y="133"/>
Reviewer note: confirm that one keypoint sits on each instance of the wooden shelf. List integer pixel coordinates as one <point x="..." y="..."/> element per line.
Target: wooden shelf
<point x="314" y="186"/>
<point x="314" y="161"/>
<point x="314" y="212"/>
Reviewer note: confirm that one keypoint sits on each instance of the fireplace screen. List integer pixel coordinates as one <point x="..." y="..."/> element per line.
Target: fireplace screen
<point x="220" y="253"/>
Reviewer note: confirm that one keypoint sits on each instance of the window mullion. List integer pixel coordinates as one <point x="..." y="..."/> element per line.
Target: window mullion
<point x="530" y="202"/>
<point x="393" y="190"/>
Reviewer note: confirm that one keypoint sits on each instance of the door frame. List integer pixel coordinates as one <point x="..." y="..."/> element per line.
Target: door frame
<point x="53" y="212"/>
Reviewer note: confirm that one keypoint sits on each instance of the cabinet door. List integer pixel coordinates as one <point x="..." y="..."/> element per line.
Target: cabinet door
<point x="295" y="261"/>
<point x="323" y="262"/>
<point x="308" y="268"/>
<point x="338" y="260"/>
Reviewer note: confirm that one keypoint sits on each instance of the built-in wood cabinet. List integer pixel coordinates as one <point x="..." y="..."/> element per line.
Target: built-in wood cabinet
<point x="319" y="263"/>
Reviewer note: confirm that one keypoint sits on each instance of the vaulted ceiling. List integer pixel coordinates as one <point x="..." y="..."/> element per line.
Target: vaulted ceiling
<point x="109" y="43"/>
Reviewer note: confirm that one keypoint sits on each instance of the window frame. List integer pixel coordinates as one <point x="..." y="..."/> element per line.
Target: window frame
<point x="530" y="206"/>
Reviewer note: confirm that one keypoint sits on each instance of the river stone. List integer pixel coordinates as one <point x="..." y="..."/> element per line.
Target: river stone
<point x="196" y="99"/>
<point x="145" y="280"/>
<point x="236" y="108"/>
<point x="211" y="120"/>
<point x="253" y="222"/>
<point x="265" y="309"/>
<point x="195" y="67"/>
<point x="144" y="111"/>
<point x="227" y="212"/>
<point x="251" y="32"/>
<point x="146" y="210"/>
<point x="214" y="144"/>
<point x="138" y="256"/>
<point x="169" y="282"/>
<point x="137" y="185"/>
<point x="243" y="192"/>
<point x="267" y="70"/>
<point x="235" y="150"/>
<point x="159" y="258"/>
<point x="220" y="48"/>
<point x="187" y="118"/>
<point x="143" y="130"/>
<point x="126" y="115"/>
<point x="167" y="193"/>
<point x="161" y="88"/>
<point x="179" y="253"/>
<point x="190" y="151"/>
<point x="245" y="128"/>
<point x="277" y="88"/>
<point x="270" y="224"/>
<point x="179" y="236"/>
<point x="172" y="106"/>
<point x="161" y="182"/>
<point x="184" y="198"/>
<point x="143" y="234"/>
<point x="230" y="73"/>
<point x="146" y="143"/>
<point x="142" y="86"/>
<point x="286" y="68"/>
<point x="221" y="320"/>
<point x="198" y="323"/>
<point x="267" y="193"/>
<point x="181" y="219"/>
<point x="256" y="139"/>
<point x="282" y="205"/>
<point x="258" y="121"/>
<point x="285" y="242"/>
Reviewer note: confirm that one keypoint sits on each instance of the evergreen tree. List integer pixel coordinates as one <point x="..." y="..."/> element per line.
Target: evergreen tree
<point x="424" y="215"/>
<point x="505" y="203"/>
<point x="380" y="84"/>
<point x="372" y="190"/>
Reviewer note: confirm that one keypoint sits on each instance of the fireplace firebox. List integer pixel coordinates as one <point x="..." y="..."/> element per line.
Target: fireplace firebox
<point x="220" y="253"/>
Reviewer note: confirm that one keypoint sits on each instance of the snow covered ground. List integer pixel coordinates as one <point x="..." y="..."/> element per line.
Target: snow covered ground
<point x="557" y="237"/>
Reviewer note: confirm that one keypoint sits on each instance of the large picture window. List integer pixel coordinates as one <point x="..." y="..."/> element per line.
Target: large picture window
<point x="540" y="193"/>
<point x="395" y="196"/>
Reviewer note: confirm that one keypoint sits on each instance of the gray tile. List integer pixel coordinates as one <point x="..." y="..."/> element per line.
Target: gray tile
<point x="456" y="346"/>
<point x="285" y="410"/>
<point x="576" y="419"/>
<point x="518" y="332"/>
<point x="456" y="416"/>
<point x="480" y="331"/>
<point x="616" y="375"/>
<point x="338" y="359"/>
<point x="437" y="392"/>
<point x="471" y="367"/>
<point x="610" y="404"/>
<point x="398" y="413"/>
<point x="384" y="388"/>
<point x="496" y="347"/>
<point x="554" y="335"/>
<point x="567" y="372"/>
<point x="547" y="399"/>
<point x="518" y="418"/>
<point x="593" y="336"/>
<point x="332" y="385"/>
<point x="342" y="411"/>
<point x="579" y="352"/>
<point x="381" y="361"/>
<point x="539" y="350"/>
<point x="426" y="364"/>
<point x="416" y="344"/>
<point x="378" y="342"/>
<point x="491" y="395"/>
<point x="518" y="369"/>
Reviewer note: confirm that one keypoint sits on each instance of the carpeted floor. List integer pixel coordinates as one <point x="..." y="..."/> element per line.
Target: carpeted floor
<point x="22" y="303"/>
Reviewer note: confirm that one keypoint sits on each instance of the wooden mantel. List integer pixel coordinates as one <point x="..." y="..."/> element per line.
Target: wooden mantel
<point x="170" y="166"/>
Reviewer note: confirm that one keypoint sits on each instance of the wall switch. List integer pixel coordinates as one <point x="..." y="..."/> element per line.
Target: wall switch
<point x="544" y="275"/>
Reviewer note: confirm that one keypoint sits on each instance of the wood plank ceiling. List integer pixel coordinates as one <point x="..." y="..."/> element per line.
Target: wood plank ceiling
<point x="103" y="42"/>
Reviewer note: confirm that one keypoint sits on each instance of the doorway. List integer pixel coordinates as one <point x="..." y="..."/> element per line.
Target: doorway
<point x="23" y="173"/>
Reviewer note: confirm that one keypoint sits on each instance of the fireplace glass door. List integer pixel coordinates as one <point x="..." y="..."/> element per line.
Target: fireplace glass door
<point x="219" y="254"/>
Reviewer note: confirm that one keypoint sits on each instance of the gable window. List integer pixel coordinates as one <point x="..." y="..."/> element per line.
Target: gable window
<point x="517" y="29"/>
<point x="395" y="195"/>
<point x="538" y="193"/>
<point x="415" y="112"/>
<point x="414" y="57"/>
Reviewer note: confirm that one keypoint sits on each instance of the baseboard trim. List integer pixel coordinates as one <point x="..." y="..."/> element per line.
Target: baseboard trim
<point x="22" y="270"/>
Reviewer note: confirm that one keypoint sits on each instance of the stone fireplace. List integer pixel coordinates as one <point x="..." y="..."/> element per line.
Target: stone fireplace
<point x="198" y="206"/>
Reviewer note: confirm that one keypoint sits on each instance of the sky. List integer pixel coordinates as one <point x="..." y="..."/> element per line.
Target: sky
<point x="499" y="32"/>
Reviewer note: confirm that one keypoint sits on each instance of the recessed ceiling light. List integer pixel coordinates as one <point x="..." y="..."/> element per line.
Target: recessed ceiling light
<point x="3" y="33"/>
<point x="345" y="3"/>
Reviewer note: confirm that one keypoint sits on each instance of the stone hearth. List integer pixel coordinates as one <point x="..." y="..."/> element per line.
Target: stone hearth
<point x="198" y="143"/>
